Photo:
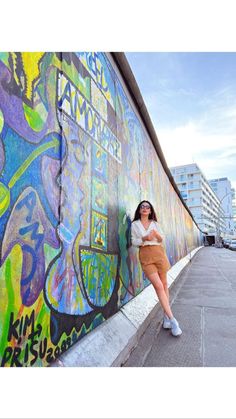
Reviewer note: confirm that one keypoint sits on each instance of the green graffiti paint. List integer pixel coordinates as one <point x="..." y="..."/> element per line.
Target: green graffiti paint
<point x="10" y="305"/>
<point x="35" y="118"/>
<point x="4" y="57"/>
<point x="99" y="275"/>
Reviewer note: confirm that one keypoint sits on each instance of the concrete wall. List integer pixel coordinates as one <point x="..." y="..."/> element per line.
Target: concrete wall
<point x="75" y="160"/>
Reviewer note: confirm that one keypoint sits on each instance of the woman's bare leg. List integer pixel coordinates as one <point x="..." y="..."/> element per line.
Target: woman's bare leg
<point x="161" y="293"/>
<point x="163" y="278"/>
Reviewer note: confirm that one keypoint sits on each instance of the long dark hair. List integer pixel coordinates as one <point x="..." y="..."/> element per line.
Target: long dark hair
<point x="152" y="215"/>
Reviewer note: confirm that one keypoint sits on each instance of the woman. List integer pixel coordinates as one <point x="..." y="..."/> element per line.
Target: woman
<point x="147" y="235"/>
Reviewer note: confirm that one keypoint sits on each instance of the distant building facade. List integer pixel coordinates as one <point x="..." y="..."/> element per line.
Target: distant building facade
<point x="202" y="201"/>
<point x="234" y="208"/>
<point x="223" y="189"/>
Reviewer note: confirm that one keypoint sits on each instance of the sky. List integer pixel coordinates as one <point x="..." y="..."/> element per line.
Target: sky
<point x="191" y="99"/>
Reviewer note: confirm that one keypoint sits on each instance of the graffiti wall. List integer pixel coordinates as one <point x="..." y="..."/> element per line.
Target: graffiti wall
<point x="75" y="161"/>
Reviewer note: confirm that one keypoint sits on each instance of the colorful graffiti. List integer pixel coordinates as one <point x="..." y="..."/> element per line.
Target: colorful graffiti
<point x="73" y="166"/>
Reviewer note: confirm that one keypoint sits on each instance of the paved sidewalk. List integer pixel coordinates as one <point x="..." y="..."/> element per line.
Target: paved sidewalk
<point x="204" y="302"/>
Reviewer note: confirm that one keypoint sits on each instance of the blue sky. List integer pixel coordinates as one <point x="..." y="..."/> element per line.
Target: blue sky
<point x="191" y="98"/>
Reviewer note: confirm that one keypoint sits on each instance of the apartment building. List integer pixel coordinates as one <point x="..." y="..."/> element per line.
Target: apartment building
<point x="234" y="208"/>
<point x="223" y="189"/>
<point x="200" y="198"/>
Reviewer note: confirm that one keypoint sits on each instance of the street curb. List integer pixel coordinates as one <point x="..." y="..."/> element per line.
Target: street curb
<point x="110" y="344"/>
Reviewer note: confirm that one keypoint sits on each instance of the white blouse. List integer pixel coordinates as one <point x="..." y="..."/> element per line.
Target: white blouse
<point x="138" y="231"/>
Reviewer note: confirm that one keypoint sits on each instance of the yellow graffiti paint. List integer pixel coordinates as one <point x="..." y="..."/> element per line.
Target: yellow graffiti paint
<point x="30" y="63"/>
<point x="4" y="198"/>
<point x="1" y="121"/>
<point x="25" y="68"/>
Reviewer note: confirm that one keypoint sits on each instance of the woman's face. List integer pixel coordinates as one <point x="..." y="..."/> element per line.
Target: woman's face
<point x="145" y="209"/>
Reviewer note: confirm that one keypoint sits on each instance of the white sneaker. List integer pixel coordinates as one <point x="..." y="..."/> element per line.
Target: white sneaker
<point x="166" y="322"/>
<point x="175" y="329"/>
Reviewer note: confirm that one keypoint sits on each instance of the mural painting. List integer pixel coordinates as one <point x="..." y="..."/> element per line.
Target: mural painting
<point x="73" y="156"/>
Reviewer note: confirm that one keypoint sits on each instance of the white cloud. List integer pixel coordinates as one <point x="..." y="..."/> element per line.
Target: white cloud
<point x="179" y="144"/>
<point x="215" y="154"/>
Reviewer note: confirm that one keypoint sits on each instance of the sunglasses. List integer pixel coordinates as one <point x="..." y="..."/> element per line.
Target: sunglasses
<point x="145" y="206"/>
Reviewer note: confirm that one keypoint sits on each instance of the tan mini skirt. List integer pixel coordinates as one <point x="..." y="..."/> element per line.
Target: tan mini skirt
<point x="153" y="259"/>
